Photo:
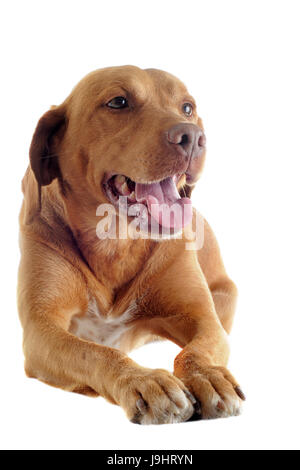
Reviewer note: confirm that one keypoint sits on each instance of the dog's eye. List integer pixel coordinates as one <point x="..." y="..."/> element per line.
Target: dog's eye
<point x="187" y="108"/>
<point x="119" y="102"/>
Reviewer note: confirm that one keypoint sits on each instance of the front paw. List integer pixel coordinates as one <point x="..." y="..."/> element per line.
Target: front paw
<point x="154" y="397"/>
<point x="217" y="391"/>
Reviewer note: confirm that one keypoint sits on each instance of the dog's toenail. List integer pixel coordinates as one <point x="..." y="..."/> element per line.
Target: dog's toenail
<point x="190" y="397"/>
<point x="197" y="407"/>
<point x="221" y="405"/>
<point x="141" y="405"/>
<point x="240" y="393"/>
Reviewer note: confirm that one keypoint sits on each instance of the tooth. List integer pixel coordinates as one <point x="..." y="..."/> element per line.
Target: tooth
<point x="119" y="179"/>
<point x="124" y="189"/>
<point x="131" y="197"/>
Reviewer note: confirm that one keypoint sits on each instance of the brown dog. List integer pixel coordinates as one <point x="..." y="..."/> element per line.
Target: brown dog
<point x="86" y="299"/>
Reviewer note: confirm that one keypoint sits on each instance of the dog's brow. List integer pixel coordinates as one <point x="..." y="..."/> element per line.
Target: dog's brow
<point x="190" y="99"/>
<point x="112" y="90"/>
<point x="170" y="90"/>
<point x="120" y="88"/>
<point x="133" y="87"/>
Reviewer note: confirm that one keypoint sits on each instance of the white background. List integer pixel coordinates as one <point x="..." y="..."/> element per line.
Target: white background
<point x="240" y="59"/>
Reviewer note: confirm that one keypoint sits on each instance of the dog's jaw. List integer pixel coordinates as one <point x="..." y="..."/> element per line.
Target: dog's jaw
<point x="153" y="203"/>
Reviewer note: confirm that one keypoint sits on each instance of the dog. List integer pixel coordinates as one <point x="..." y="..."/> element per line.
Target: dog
<point x="86" y="299"/>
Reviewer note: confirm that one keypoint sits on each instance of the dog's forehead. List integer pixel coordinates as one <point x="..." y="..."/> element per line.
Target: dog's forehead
<point x="138" y="81"/>
<point x="166" y="82"/>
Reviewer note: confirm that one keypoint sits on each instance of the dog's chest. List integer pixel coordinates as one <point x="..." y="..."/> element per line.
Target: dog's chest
<point x="92" y="326"/>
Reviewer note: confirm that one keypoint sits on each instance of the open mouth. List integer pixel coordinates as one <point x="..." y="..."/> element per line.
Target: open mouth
<point x="157" y="203"/>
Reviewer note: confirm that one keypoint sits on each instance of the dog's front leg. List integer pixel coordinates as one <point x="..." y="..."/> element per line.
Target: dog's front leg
<point x="50" y="293"/>
<point x="188" y="318"/>
<point x="200" y="366"/>
<point x="148" y="396"/>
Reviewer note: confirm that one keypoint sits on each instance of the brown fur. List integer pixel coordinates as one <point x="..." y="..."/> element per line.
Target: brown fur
<point x="184" y="296"/>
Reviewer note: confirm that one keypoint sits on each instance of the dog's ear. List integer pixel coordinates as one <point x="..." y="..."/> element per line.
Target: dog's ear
<point x="44" y="146"/>
<point x="44" y="163"/>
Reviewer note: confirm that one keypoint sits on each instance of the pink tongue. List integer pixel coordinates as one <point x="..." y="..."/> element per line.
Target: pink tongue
<point x="165" y="204"/>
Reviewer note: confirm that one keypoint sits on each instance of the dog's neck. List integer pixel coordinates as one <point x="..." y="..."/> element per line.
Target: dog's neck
<point x="115" y="262"/>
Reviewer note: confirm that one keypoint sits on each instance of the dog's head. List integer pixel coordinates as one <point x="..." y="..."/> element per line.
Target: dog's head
<point x="123" y="131"/>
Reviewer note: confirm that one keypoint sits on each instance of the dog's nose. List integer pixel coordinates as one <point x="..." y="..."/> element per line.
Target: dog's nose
<point x="187" y="137"/>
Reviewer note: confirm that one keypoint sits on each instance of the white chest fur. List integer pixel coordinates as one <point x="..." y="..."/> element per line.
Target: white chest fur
<point x="102" y="330"/>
